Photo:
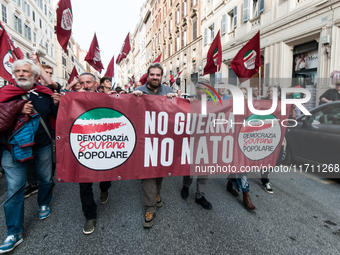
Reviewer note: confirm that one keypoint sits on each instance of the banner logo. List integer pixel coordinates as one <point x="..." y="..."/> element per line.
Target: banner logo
<point x="249" y="59"/>
<point x="66" y="21"/>
<point x="7" y="62"/>
<point x="260" y="138"/>
<point x="102" y="139"/>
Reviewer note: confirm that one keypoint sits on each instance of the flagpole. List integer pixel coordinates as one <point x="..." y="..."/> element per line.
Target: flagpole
<point x="44" y="30"/>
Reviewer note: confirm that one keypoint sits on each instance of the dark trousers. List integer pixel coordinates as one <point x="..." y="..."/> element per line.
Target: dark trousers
<point x="86" y="196"/>
<point x="264" y="176"/>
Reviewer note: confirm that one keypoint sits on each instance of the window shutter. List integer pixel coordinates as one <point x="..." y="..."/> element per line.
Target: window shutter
<point x="235" y="17"/>
<point x="205" y="36"/>
<point x="246" y="10"/>
<point x="224" y="24"/>
<point x="261" y="6"/>
<point x="194" y="30"/>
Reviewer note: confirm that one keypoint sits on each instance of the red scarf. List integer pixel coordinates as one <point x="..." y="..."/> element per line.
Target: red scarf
<point x="9" y="91"/>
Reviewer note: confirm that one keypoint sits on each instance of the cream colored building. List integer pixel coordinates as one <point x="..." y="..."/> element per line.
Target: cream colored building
<point x="171" y="28"/>
<point x="290" y="30"/>
<point x="25" y="21"/>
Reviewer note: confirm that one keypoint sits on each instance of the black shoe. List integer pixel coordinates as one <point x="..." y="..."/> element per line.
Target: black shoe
<point x="204" y="203"/>
<point x="184" y="192"/>
<point x="30" y="190"/>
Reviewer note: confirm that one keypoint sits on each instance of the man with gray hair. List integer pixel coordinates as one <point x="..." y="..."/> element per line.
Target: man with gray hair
<point x="25" y="110"/>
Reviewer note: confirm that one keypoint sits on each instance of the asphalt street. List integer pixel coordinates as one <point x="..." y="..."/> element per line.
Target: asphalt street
<point x="301" y="217"/>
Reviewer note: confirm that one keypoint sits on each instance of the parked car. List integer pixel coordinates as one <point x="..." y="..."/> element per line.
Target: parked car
<point x="316" y="138"/>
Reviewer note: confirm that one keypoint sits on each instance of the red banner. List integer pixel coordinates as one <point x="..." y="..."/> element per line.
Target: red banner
<point x="106" y="137"/>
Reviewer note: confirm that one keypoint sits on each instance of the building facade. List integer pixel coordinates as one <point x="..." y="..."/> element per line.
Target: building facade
<point x="171" y="28"/>
<point x="25" y="21"/>
<point x="298" y="40"/>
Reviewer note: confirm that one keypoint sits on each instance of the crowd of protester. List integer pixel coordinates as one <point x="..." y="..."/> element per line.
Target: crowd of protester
<point x="26" y="111"/>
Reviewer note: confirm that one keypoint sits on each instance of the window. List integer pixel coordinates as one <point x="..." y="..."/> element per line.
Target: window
<point x="17" y="24"/>
<point x="177" y="15"/>
<point x="170" y="26"/>
<point x="184" y="8"/>
<point x="27" y="8"/>
<point x="252" y="8"/>
<point x="165" y="9"/>
<point x="170" y="49"/>
<point x="33" y="16"/>
<point x="212" y="32"/>
<point x="164" y="32"/>
<point x="40" y="23"/>
<point x="232" y="19"/>
<point x="28" y="32"/>
<point x="184" y="38"/>
<point x="51" y="35"/>
<point x="193" y="3"/>
<point x="49" y="14"/>
<point x="194" y="29"/>
<point x="170" y="2"/>
<point x="177" y="43"/>
<point x="46" y="46"/>
<point x="63" y="60"/>
<point x="40" y="3"/>
<point x="4" y="13"/>
<point x="51" y="51"/>
<point x="45" y="7"/>
<point x="18" y="2"/>
<point x="224" y="24"/>
<point x="34" y="37"/>
<point x="164" y="52"/>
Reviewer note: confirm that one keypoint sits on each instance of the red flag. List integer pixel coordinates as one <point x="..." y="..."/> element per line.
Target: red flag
<point x="214" y="56"/>
<point x="173" y="80"/>
<point x="130" y="83"/>
<point x="110" y="68"/>
<point x="144" y="78"/>
<point x="247" y="61"/>
<point x="93" y="56"/>
<point x="74" y="74"/>
<point x="124" y="50"/>
<point x="64" y="22"/>
<point x="16" y="50"/>
<point x="7" y="55"/>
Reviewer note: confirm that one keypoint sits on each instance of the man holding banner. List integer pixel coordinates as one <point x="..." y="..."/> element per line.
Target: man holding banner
<point x="152" y="187"/>
<point x="201" y="180"/>
<point x="25" y="124"/>
<point x="89" y="83"/>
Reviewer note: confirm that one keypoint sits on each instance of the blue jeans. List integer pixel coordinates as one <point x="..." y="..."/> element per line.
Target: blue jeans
<point x="240" y="182"/>
<point x="16" y="180"/>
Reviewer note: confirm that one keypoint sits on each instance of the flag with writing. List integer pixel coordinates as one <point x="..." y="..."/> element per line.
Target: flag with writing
<point x="64" y="22"/>
<point x="73" y="75"/>
<point x="7" y="55"/>
<point x="214" y="56"/>
<point x="144" y="78"/>
<point x="247" y="61"/>
<point x="124" y="50"/>
<point x="93" y="56"/>
<point x="110" y="68"/>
